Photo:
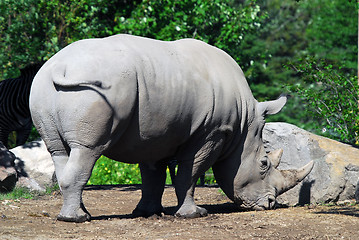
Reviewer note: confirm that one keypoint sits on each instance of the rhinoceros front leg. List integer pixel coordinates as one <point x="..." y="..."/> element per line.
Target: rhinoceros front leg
<point x="193" y="164"/>
<point x="153" y="183"/>
<point x="185" y="185"/>
<point x="72" y="176"/>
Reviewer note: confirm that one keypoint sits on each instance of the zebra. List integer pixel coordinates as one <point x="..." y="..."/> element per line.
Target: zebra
<point x="14" y="105"/>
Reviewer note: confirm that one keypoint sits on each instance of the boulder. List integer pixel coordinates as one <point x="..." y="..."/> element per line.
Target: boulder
<point x="8" y="174"/>
<point x="8" y="178"/>
<point x="34" y="165"/>
<point x="336" y="169"/>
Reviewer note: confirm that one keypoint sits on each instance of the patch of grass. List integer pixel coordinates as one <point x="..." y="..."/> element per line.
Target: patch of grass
<point x="17" y="193"/>
<point x="25" y="193"/>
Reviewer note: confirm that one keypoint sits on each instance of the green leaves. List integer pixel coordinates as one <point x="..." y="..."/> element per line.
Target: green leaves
<point x="330" y="96"/>
<point x="215" y="22"/>
<point x="34" y="30"/>
<point x="107" y="171"/>
<point x="332" y="32"/>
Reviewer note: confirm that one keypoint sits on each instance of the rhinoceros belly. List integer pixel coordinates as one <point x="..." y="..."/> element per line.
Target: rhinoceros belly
<point x="134" y="148"/>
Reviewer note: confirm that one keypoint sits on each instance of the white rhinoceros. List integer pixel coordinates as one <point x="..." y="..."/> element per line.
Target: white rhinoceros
<point x="145" y="101"/>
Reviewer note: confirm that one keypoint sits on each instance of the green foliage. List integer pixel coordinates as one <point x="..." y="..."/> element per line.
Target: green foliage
<point x="107" y="171"/>
<point x="215" y="22"/>
<point x="330" y="96"/>
<point x="34" y="135"/>
<point x="332" y="32"/>
<point x="326" y="29"/>
<point x="279" y="39"/>
<point x="209" y="178"/>
<point x="33" y="30"/>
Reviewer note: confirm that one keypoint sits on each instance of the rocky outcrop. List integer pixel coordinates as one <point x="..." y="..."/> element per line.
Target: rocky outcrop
<point x="8" y="174"/>
<point x="28" y="166"/>
<point x="336" y="171"/>
<point x="34" y="165"/>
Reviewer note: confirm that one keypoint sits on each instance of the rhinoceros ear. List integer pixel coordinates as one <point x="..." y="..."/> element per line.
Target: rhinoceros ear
<point x="272" y="107"/>
<point x="275" y="156"/>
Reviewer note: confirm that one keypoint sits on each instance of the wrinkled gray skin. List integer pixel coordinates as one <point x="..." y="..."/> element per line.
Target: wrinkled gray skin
<point x="138" y="100"/>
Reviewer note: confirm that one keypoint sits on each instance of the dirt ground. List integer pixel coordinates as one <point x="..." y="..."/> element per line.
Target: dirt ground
<point x="111" y="207"/>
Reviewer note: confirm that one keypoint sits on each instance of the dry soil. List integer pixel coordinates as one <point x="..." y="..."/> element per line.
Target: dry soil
<point x="111" y="207"/>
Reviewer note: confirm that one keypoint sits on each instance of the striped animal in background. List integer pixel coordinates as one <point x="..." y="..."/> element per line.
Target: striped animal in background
<point x="14" y="105"/>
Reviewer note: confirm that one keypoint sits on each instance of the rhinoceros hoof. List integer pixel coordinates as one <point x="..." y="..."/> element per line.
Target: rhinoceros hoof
<point x="78" y="218"/>
<point x="191" y="212"/>
<point x="146" y="213"/>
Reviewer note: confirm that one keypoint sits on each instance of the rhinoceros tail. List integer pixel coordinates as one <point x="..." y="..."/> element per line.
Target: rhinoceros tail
<point x="59" y="79"/>
<point x="64" y="84"/>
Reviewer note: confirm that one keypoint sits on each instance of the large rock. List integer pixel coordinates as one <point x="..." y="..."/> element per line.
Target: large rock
<point x="336" y="169"/>
<point x="8" y="174"/>
<point x="34" y="165"/>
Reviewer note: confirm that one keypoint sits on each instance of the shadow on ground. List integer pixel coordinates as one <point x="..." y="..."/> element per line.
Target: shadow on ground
<point x="118" y="187"/>
<point x="345" y="210"/>
<point x="224" y="208"/>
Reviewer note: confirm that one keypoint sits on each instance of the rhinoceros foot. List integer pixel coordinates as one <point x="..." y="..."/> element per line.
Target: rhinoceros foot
<point x="146" y="212"/>
<point x="81" y="215"/>
<point x="191" y="211"/>
<point x="77" y="219"/>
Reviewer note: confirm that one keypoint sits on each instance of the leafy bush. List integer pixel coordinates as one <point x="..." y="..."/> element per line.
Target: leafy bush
<point x="34" y="30"/>
<point x="34" y="135"/>
<point x="107" y="171"/>
<point x="331" y="97"/>
<point x="216" y="22"/>
<point x="209" y="178"/>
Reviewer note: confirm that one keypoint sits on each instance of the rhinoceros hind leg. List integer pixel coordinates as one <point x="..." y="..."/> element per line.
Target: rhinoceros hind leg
<point x="72" y="181"/>
<point x="153" y="183"/>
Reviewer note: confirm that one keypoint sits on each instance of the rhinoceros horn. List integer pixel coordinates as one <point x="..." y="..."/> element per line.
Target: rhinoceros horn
<point x="290" y="178"/>
<point x="275" y="157"/>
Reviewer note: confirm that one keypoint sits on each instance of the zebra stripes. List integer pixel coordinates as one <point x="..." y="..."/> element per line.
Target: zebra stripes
<point x="14" y="105"/>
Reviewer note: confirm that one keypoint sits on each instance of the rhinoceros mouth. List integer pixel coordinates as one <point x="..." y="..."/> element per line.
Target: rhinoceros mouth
<point x="263" y="203"/>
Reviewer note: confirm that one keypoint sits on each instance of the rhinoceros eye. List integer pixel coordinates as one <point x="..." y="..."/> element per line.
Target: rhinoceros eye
<point x="264" y="162"/>
<point x="264" y="165"/>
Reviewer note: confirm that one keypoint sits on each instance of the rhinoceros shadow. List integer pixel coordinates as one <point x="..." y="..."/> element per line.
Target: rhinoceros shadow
<point x="304" y="193"/>
<point x="221" y="208"/>
<point x="117" y="187"/>
<point x="344" y="210"/>
<point x="33" y="144"/>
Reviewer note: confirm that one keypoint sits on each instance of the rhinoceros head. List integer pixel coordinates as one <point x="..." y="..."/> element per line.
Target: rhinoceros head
<point x="264" y="182"/>
<point x="251" y="178"/>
